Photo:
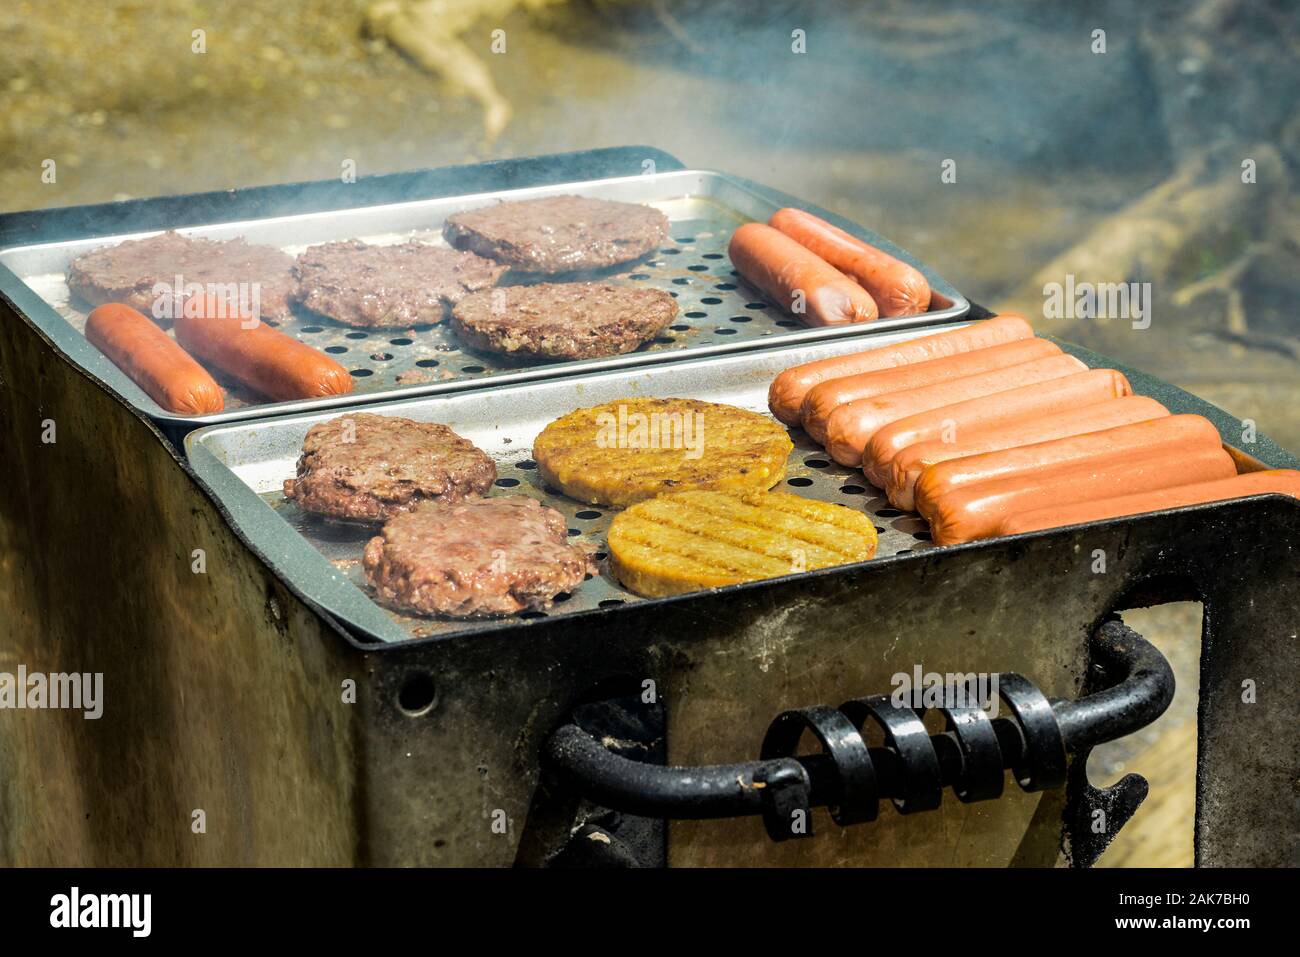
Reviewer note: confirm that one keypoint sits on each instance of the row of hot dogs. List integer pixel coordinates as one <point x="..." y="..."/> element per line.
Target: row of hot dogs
<point x="987" y="430"/>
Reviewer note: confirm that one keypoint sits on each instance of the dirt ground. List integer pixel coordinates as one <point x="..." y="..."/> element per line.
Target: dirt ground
<point x="1050" y="139"/>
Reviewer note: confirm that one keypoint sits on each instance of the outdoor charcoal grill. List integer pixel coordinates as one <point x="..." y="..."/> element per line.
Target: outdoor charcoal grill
<point x="248" y="675"/>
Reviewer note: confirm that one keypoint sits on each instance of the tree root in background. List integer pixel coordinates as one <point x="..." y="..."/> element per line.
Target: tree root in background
<point x="1202" y="210"/>
<point x="452" y="40"/>
<point x="1197" y="238"/>
<point x="1222" y="255"/>
<point x="432" y="33"/>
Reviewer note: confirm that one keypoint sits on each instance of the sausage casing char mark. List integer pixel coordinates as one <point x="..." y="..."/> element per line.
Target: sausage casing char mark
<point x="902" y="471"/>
<point x="897" y="288"/>
<point x="786" y="394"/>
<point x="152" y="360"/>
<point x="799" y="281"/>
<point x="263" y="359"/>
<point x="977" y="511"/>
<point x="851" y="426"/>
<point x="825" y="397"/>
<point x="1268" y="482"/>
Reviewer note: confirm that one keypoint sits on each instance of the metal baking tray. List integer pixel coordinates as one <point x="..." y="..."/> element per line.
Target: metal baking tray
<point x="718" y="312"/>
<point x="245" y="465"/>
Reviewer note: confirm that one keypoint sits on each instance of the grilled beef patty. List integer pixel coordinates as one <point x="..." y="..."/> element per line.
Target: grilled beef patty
<point x="388" y="287"/>
<point x="368" y="467"/>
<point x="562" y="321"/>
<point x="558" y="233"/>
<point x="128" y="272"/>
<point x="476" y="558"/>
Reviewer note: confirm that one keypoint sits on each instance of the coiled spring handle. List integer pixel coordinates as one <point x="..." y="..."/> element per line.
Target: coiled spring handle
<point x="911" y="768"/>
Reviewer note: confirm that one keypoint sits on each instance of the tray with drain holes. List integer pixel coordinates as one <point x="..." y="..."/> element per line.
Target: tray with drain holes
<point x="245" y="465"/>
<point x="718" y="313"/>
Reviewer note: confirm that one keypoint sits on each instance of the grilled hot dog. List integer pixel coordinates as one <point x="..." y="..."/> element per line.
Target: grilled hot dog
<point x="796" y="279"/>
<point x="264" y="359"/>
<point x="1001" y="408"/>
<point x="978" y="510"/>
<point x="901" y="473"/>
<point x="850" y="427"/>
<point x="826" y="397"/>
<point x="1273" y="481"/>
<point x="897" y="288"/>
<point x="1184" y="432"/>
<point x="152" y="360"/>
<point x="786" y="394"/>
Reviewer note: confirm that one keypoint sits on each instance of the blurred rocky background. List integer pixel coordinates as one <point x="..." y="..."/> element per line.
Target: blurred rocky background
<point x="1113" y="142"/>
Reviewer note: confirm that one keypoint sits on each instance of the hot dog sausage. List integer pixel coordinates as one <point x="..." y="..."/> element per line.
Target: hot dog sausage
<point x="897" y="288"/>
<point x="786" y="394"/>
<point x="977" y="511"/>
<point x="1274" y="481"/>
<point x="1002" y="408"/>
<point x="850" y="427"/>
<point x="264" y="359"/>
<point x="825" y="397"/>
<point x="152" y="360"/>
<point x="804" y="285"/>
<point x="1184" y="432"/>
<point x="901" y="473"/>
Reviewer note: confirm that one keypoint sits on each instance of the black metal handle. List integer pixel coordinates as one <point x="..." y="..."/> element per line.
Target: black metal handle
<point x="912" y="767"/>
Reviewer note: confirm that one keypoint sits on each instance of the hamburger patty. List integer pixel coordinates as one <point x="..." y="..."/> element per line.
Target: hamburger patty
<point x="480" y="557"/>
<point x="628" y="450"/>
<point x="128" y="272"/>
<point x="558" y="233"/>
<point x="684" y="541"/>
<point x="388" y="287"/>
<point x="562" y="321"/>
<point x="368" y="467"/>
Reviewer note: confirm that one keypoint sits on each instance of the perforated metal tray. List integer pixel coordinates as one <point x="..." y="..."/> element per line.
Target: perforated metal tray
<point x="246" y="465"/>
<point x="718" y="312"/>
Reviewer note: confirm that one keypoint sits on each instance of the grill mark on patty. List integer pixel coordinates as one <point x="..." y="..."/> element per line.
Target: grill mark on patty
<point x="688" y="540"/>
<point x="687" y="565"/>
<point x="670" y="541"/>
<point x="651" y="520"/>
